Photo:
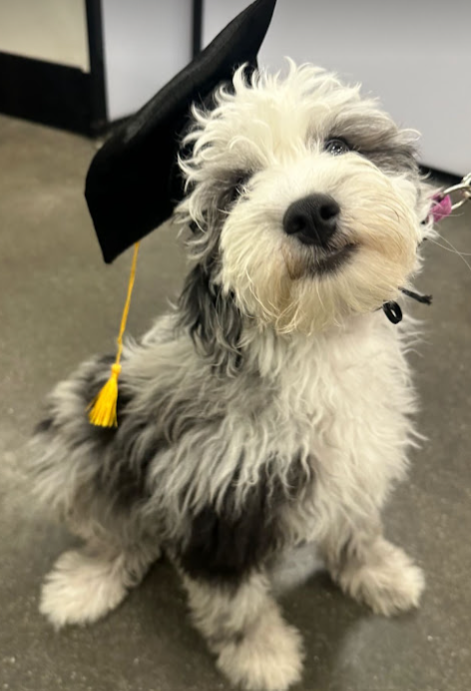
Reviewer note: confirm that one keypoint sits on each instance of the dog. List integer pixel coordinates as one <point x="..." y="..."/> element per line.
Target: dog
<point x="271" y="408"/>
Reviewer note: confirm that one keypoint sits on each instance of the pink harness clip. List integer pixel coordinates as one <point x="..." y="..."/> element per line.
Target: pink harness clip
<point x="442" y="207"/>
<point x="443" y="203"/>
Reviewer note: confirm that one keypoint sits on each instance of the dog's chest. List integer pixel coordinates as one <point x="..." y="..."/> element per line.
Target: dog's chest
<point x="345" y="405"/>
<point x="333" y="383"/>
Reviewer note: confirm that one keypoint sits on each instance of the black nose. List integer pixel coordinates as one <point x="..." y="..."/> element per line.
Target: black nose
<point x="313" y="219"/>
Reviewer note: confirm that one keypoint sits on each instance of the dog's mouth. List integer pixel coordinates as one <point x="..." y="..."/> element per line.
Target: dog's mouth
<point x="331" y="259"/>
<point x="315" y="261"/>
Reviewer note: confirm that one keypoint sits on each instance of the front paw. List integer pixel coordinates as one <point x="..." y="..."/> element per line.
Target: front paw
<point x="388" y="581"/>
<point x="266" y="658"/>
<point x="80" y="589"/>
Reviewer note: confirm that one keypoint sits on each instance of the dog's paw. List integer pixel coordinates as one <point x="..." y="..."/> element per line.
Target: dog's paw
<point x="267" y="658"/>
<point x="389" y="582"/>
<point x="81" y="589"/>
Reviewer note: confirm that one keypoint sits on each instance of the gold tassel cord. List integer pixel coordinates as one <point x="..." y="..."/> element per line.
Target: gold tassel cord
<point x="102" y="410"/>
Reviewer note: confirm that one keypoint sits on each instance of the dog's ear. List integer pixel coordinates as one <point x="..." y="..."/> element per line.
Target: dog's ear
<point x="213" y="319"/>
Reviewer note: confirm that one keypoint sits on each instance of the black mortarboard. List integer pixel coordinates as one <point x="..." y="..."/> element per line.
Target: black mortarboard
<point x="133" y="183"/>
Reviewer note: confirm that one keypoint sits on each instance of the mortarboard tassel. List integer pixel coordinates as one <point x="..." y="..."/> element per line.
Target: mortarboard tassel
<point x="102" y="410"/>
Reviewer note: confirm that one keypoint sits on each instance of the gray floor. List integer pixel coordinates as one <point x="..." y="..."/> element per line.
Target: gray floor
<point x="59" y="303"/>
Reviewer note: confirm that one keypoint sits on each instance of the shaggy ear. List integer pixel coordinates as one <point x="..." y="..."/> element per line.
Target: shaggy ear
<point x="214" y="321"/>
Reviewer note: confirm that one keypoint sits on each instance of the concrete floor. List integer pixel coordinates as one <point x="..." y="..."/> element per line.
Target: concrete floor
<point x="59" y="303"/>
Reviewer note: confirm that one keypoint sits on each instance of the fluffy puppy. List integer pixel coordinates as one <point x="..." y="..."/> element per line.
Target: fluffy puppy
<point x="272" y="408"/>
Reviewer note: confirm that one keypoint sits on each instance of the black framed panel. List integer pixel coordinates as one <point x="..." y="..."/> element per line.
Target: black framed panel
<point x="197" y="27"/>
<point x="63" y="96"/>
<point x="99" y="117"/>
<point x="55" y="94"/>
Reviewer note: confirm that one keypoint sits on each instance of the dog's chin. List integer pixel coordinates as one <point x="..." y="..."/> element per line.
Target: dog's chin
<point x="323" y="287"/>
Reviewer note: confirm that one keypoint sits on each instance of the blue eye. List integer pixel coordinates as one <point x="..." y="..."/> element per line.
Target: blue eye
<point x="336" y="147"/>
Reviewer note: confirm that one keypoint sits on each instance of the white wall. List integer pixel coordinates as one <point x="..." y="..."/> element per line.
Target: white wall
<point x="416" y="56"/>
<point x="146" y="43"/>
<point x="52" y="30"/>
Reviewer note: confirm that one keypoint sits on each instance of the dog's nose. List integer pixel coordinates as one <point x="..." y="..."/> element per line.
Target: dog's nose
<point x="313" y="219"/>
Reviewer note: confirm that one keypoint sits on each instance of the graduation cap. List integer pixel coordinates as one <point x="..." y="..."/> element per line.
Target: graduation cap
<point x="133" y="183"/>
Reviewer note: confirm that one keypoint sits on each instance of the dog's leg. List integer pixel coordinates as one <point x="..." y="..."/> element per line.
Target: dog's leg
<point x="373" y="570"/>
<point x="86" y="584"/>
<point x="244" y="628"/>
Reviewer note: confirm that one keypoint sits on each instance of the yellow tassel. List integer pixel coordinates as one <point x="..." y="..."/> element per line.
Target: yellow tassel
<point x="102" y="410"/>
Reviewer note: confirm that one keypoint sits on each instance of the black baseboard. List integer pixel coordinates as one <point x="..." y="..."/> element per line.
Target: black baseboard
<point x="45" y="92"/>
<point x="441" y="177"/>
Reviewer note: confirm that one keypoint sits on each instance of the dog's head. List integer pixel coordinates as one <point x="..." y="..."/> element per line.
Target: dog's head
<point x="305" y="201"/>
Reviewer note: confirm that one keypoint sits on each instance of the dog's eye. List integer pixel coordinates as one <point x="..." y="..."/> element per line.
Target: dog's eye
<point x="336" y="147"/>
<point x="238" y="185"/>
